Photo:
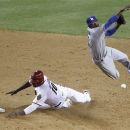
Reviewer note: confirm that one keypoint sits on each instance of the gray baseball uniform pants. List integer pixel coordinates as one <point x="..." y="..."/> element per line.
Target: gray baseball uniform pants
<point x="107" y="64"/>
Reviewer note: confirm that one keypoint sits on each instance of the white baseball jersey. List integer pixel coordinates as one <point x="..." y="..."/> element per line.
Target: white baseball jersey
<point x="50" y="93"/>
<point x="97" y="43"/>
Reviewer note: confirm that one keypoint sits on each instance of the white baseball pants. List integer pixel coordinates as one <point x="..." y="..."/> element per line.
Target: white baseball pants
<point x="75" y="96"/>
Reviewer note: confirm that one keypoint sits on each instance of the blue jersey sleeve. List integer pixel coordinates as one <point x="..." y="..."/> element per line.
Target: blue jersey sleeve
<point x="110" y="21"/>
<point x="110" y="32"/>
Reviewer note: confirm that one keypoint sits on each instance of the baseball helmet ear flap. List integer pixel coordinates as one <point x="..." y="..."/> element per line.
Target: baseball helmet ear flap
<point x="37" y="78"/>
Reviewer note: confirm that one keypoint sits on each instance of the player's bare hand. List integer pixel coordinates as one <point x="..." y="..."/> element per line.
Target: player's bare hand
<point x="16" y="114"/>
<point x="12" y="92"/>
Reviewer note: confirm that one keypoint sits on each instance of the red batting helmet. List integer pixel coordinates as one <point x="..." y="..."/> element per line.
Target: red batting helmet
<point x="37" y="78"/>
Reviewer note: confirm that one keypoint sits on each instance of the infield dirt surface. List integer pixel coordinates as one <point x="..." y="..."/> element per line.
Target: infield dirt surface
<point x="65" y="60"/>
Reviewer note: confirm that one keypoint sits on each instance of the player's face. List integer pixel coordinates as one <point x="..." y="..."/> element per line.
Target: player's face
<point x="37" y="82"/>
<point x="95" y="24"/>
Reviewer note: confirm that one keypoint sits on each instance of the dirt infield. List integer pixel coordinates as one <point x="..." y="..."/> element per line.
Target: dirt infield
<point x="65" y="60"/>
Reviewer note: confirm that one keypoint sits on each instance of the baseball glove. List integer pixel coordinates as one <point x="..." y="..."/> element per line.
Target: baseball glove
<point x="121" y="20"/>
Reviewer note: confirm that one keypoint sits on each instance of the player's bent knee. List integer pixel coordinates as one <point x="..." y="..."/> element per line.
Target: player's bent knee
<point x="115" y="76"/>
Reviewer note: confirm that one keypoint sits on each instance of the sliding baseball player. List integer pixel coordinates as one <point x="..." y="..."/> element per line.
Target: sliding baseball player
<point x="49" y="94"/>
<point x="102" y="55"/>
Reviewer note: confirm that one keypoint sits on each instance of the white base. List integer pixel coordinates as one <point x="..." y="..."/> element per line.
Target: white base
<point x="2" y="110"/>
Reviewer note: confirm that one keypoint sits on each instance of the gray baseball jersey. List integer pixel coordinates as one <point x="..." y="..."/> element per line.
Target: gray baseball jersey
<point x="104" y="56"/>
<point x="97" y="43"/>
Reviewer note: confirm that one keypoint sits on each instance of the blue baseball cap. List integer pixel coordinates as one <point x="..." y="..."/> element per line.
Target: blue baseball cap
<point x="90" y="20"/>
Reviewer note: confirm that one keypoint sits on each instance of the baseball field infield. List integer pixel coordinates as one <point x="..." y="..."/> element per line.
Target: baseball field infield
<point x="64" y="59"/>
<point x="51" y="35"/>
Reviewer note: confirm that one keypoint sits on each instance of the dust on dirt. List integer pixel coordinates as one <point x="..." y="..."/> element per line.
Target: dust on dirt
<point x="66" y="60"/>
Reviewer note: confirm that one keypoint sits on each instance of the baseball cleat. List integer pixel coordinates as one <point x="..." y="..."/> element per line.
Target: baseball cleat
<point x="2" y="110"/>
<point x="87" y="93"/>
<point x="129" y="71"/>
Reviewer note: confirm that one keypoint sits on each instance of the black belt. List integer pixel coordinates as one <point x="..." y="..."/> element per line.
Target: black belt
<point x="58" y="104"/>
<point x="100" y="60"/>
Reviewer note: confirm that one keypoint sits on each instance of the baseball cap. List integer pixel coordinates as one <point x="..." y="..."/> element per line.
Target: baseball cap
<point x="90" y="20"/>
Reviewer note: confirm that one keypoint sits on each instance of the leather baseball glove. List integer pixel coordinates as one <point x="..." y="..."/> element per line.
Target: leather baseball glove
<point x="121" y="20"/>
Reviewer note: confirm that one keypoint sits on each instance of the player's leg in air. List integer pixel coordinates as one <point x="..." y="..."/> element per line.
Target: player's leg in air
<point x="108" y="66"/>
<point x="121" y="57"/>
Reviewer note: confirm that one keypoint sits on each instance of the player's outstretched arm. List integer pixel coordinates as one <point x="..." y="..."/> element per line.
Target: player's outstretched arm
<point x="24" y="86"/>
<point x="120" y="21"/>
<point x="110" y="32"/>
<point x="118" y="17"/>
<point x="26" y="111"/>
<point x="110" y="21"/>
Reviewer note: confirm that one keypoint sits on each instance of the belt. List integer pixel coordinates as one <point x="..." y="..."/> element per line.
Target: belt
<point x="100" y="60"/>
<point x="58" y="104"/>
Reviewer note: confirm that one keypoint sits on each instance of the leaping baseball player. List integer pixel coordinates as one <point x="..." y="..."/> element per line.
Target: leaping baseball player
<point x="102" y="55"/>
<point x="49" y="94"/>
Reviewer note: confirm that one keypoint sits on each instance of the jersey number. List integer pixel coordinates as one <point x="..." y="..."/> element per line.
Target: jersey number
<point x="54" y="88"/>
